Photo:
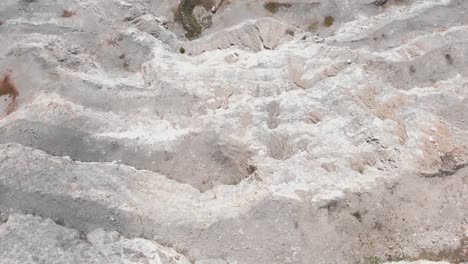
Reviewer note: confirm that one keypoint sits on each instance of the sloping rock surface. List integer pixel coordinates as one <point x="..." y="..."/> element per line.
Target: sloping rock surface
<point x="312" y="132"/>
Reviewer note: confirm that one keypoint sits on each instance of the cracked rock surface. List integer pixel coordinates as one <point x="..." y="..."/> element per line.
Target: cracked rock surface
<point x="296" y="131"/>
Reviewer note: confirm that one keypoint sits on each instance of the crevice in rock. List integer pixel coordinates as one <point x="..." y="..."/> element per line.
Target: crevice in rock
<point x="445" y="172"/>
<point x="259" y="35"/>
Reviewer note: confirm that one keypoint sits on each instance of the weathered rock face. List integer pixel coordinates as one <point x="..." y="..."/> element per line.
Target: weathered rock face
<point x="63" y="245"/>
<point x="292" y="132"/>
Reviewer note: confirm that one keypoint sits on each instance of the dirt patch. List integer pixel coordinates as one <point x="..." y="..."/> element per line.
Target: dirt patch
<point x="390" y="223"/>
<point x="456" y="255"/>
<point x="68" y="13"/>
<point x="8" y="88"/>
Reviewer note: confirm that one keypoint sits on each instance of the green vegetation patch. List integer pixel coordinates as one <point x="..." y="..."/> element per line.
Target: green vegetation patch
<point x="328" y="21"/>
<point x="184" y="15"/>
<point x="274" y="7"/>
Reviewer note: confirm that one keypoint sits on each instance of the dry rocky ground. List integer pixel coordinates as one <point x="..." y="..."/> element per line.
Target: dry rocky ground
<point x="298" y="131"/>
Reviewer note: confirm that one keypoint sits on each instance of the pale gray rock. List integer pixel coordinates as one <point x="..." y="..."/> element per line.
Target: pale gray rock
<point x="28" y="239"/>
<point x="256" y="35"/>
<point x="318" y="132"/>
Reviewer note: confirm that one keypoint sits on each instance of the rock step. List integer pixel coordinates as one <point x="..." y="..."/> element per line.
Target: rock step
<point x="61" y="128"/>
